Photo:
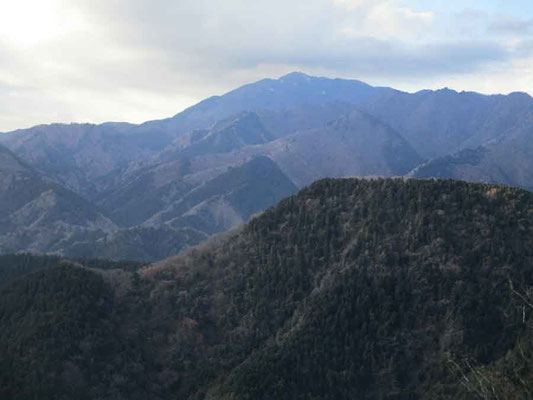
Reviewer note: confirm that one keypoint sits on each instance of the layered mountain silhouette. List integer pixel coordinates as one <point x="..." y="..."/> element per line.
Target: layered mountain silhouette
<point x="215" y="164"/>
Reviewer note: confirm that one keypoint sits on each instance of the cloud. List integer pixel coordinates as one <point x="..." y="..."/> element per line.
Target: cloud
<point x="508" y="25"/>
<point x="137" y="59"/>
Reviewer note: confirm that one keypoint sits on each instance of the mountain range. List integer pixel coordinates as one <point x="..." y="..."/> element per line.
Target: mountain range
<point x="147" y="191"/>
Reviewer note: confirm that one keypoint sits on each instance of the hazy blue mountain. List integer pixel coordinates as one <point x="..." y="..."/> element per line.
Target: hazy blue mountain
<point x="145" y="192"/>
<point x="268" y="94"/>
<point x="38" y="215"/>
<point x="186" y="215"/>
<point x="440" y="122"/>
<point x="302" y="117"/>
<point x="223" y="137"/>
<point x="183" y="166"/>
<point x="77" y="155"/>
<point x="355" y="144"/>
<point x="507" y="159"/>
<point x="230" y="198"/>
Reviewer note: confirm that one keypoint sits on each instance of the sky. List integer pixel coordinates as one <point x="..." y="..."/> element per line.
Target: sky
<point x="137" y="60"/>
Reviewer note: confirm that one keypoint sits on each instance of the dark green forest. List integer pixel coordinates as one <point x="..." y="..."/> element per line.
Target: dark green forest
<point x="351" y="289"/>
<point x="13" y="266"/>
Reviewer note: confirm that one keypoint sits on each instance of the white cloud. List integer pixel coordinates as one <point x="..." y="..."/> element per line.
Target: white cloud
<point x="386" y="21"/>
<point x="351" y="4"/>
<point x="510" y="25"/>
<point x="27" y="23"/>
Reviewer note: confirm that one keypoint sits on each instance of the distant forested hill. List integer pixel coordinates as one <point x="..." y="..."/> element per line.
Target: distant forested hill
<point x="352" y="289"/>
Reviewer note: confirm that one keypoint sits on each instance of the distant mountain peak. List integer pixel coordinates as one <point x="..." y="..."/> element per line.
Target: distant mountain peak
<point x="521" y="95"/>
<point x="295" y="76"/>
<point x="446" y="90"/>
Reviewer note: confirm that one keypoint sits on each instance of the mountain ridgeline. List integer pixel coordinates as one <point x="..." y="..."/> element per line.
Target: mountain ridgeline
<point x="151" y="190"/>
<point x="351" y="289"/>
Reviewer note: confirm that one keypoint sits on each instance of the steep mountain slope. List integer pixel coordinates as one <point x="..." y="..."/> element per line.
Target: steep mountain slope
<point x="355" y="144"/>
<point x="169" y="186"/>
<point x="182" y="166"/>
<point x="187" y="214"/>
<point x="224" y="137"/>
<point x="230" y="198"/>
<point x="252" y="128"/>
<point x="507" y="160"/>
<point x="145" y="192"/>
<point x="440" y="122"/>
<point x="351" y="289"/>
<point x="76" y="155"/>
<point x="38" y="215"/>
<point x="303" y="117"/>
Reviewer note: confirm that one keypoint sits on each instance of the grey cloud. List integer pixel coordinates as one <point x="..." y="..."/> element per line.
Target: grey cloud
<point x="390" y="59"/>
<point x="511" y="26"/>
<point x="216" y="37"/>
<point x="226" y="35"/>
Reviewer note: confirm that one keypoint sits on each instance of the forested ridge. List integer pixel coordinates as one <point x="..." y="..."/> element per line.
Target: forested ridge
<point x="351" y="289"/>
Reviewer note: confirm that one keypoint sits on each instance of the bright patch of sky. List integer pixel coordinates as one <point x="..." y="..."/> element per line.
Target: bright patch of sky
<point x="134" y="60"/>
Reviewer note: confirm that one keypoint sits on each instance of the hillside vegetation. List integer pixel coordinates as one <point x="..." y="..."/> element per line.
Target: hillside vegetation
<point x="352" y="289"/>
